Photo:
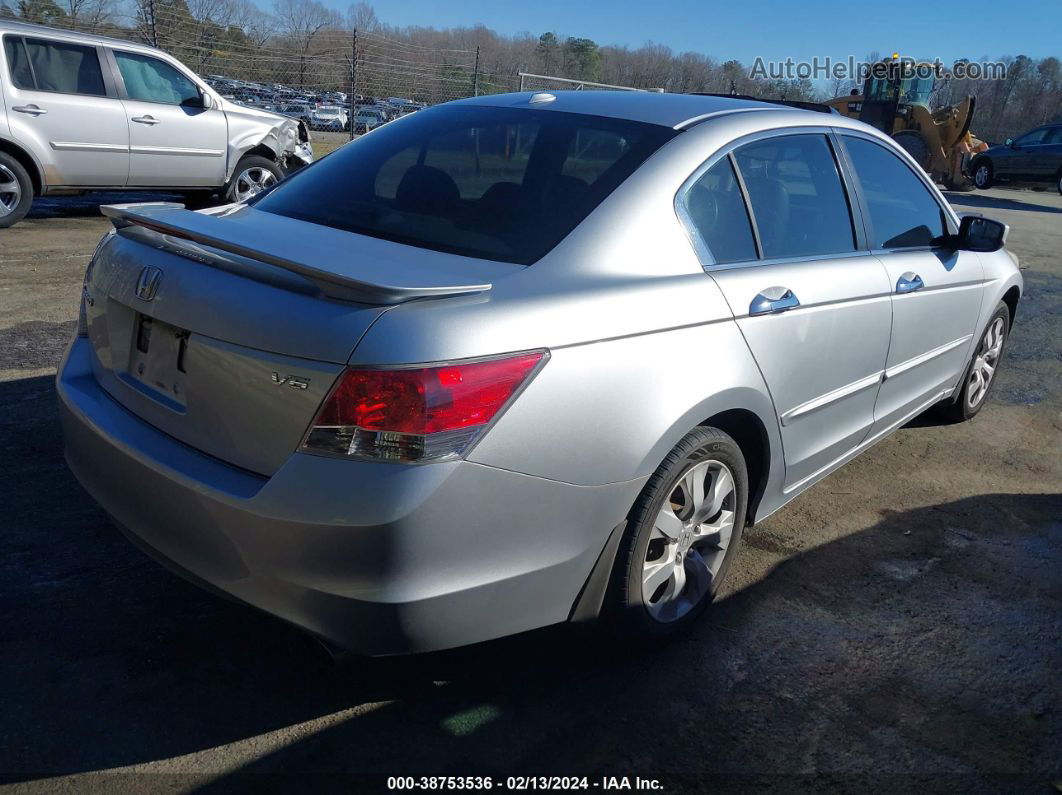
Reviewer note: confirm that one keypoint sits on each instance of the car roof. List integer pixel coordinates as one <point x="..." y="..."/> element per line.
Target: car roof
<point x="670" y="110"/>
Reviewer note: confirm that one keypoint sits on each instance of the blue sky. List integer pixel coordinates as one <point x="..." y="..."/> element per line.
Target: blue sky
<point x="772" y="28"/>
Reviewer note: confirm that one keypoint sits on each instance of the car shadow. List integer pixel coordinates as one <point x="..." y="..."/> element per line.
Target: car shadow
<point x="997" y="203"/>
<point x="927" y="642"/>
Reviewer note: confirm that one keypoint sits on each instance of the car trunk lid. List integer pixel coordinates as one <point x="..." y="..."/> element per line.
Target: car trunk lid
<point x="227" y="332"/>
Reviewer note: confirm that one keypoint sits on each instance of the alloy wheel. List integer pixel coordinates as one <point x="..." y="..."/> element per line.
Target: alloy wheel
<point x="985" y="362"/>
<point x="981" y="176"/>
<point x="10" y="191"/>
<point x="689" y="540"/>
<point x="253" y="181"/>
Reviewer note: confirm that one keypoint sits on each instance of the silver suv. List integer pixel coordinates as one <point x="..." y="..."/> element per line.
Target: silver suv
<point x="522" y="359"/>
<point x="81" y="112"/>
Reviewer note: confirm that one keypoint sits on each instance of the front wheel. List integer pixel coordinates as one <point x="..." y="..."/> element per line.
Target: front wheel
<point x="682" y="536"/>
<point x="983" y="175"/>
<point x="16" y="191"/>
<point x="253" y="174"/>
<point x="980" y="374"/>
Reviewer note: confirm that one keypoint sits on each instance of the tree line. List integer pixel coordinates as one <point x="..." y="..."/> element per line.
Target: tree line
<point x="305" y="43"/>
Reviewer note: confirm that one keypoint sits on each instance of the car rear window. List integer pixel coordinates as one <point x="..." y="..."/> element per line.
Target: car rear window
<point x="54" y="66"/>
<point x="504" y="184"/>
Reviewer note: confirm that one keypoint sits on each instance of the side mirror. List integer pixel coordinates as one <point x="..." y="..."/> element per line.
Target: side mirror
<point x="981" y="234"/>
<point x="1009" y="142"/>
<point x="208" y="101"/>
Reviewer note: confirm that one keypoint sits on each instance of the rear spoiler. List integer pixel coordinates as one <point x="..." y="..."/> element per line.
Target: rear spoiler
<point x="324" y="257"/>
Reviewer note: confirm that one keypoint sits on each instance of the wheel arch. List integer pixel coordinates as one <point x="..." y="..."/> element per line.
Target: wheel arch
<point x="262" y="147"/>
<point x="1010" y="298"/>
<point x="261" y="150"/>
<point x="750" y="433"/>
<point x="27" y="161"/>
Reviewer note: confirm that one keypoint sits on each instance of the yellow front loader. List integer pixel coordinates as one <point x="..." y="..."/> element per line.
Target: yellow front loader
<point x="895" y="100"/>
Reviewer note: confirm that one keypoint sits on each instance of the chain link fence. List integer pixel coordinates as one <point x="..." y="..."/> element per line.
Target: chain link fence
<point x="301" y="66"/>
<point x="297" y="61"/>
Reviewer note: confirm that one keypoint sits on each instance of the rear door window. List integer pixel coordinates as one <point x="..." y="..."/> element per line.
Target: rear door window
<point x="903" y="213"/>
<point x="42" y="65"/>
<point x="18" y="63"/>
<point x="797" y="197"/>
<point x="506" y="184"/>
<point x="716" y="208"/>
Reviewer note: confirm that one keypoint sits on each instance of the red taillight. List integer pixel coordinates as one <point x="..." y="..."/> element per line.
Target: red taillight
<point x="427" y="413"/>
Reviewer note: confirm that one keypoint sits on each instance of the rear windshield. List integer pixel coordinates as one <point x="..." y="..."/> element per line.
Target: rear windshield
<point x="503" y="184"/>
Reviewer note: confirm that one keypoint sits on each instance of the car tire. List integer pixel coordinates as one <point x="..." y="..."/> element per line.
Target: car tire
<point x="1058" y="182"/>
<point x="646" y="607"/>
<point x="915" y="145"/>
<point x="16" y="191"/>
<point x="252" y="175"/>
<point x="983" y="174"/>
<point x="989" y="351"/>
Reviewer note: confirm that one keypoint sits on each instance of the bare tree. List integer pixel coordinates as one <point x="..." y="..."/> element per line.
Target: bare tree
<point x="362" y="17"/>
<point x="88" y="14"/>
<point x="301" y="22"/>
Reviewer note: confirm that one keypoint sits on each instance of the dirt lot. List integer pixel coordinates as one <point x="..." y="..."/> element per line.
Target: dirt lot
<point x="896" y="627"/>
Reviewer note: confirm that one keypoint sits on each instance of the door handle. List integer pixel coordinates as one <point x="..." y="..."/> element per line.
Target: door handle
<point x="145" y="120"/>
<point x="32" y="110"/>
<point x="909" y="282"/>
<point x="772" y="301"/>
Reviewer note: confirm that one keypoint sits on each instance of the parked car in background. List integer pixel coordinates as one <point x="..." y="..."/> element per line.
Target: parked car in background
<point x="297" y="110"/>
<point x="1034" y="158"/>
<point x="328" y="117"/>
<point x="537" y="358"/>
<point x="368" y="118"/>
<point x="84" y="112"/>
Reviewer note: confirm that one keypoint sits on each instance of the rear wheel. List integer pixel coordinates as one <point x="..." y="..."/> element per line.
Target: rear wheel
<point x="253" y="174"/>
<point x="16" y="191"/>
<point x="682" y="536"/>
<point x="983" y="174"/>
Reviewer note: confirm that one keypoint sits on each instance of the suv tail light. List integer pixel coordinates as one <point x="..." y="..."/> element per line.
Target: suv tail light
<point x="417" y="414"/>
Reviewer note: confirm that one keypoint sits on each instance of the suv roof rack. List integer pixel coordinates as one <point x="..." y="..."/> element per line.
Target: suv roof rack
<point x="792" y="103"/>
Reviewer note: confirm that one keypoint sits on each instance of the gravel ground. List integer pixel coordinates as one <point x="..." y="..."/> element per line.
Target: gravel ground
<point x="896" y="627"/>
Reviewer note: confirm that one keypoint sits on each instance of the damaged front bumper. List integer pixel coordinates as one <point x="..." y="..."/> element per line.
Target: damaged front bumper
<point x="301" y="156"/>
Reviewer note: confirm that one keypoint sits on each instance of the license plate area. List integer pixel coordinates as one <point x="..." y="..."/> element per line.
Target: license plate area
<point x="158" y="360"/>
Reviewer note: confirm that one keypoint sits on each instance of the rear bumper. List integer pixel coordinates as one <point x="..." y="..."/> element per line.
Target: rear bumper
<point x="376" y="558"/>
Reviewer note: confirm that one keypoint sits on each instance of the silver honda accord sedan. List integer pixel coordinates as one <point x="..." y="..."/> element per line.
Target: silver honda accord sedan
<point x="522" y="359"/>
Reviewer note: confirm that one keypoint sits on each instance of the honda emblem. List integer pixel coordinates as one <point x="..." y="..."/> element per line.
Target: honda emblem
<point x="148" y="283"/>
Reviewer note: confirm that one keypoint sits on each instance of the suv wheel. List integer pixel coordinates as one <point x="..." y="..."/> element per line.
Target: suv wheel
<point x="16" y="191"/>
<point x="983" y="175"/>
<point x="253" y="174"/>
<point x="683" y="533"/>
